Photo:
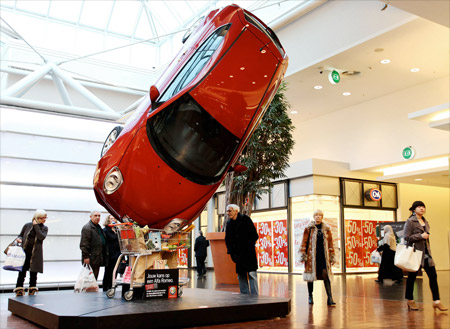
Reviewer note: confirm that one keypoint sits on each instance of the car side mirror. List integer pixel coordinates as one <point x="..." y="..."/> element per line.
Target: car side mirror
<point x="154" y="93"/>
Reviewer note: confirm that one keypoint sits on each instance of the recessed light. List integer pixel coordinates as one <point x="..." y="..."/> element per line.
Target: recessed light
<point x="385" y="61"/>
<point x="242" y="68"/>
<point x="294" y="112"/>
<point x="378" y="50"/>
<point x="318" y="87"/>
<point x="346" y="93"/>
<point x="418" y="179"/>
<point x="415" y="69"/>
<point x="231" y="76"/>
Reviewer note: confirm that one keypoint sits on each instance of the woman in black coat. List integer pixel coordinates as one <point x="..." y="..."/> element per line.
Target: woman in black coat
<point x="32" y="237"/>
<point x="387" y="248"/>
<point x="112" y="243"/>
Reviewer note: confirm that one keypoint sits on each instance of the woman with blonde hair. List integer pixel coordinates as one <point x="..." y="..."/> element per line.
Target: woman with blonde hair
<point x="317" y="252"/>
<point x="32" y="237"/>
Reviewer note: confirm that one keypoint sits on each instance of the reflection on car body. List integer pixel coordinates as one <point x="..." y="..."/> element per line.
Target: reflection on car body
<point x="175" y="151"/>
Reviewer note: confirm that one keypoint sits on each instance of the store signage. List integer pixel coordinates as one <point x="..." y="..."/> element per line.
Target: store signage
<point x="373" y="194"/>
<point x="408" y="153"/>
<point x="161" y="283"/>
<point x="334" y="77"/>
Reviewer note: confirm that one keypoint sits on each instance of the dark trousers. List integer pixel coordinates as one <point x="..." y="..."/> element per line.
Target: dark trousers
<point x="432" y="277"/>
<point x="107" y="276"/>
<point x="326" y="283"/>
<point x="23" y="274"/>
<point x="201" y="269"/>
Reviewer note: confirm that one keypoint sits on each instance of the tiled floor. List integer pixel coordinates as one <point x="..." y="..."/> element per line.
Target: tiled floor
<point x="361" y="303"/>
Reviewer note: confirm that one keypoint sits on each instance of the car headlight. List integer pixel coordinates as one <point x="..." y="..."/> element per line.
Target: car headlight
<point x="112" y="181"/>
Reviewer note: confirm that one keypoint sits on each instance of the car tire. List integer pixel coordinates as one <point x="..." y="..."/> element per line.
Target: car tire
<point x="113" y="135"/>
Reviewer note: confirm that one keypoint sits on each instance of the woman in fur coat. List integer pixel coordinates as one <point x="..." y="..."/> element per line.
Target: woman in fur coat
<point x="317" y="252"/>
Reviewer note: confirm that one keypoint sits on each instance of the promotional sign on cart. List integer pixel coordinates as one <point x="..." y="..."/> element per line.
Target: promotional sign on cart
<point x="161" y="283"/>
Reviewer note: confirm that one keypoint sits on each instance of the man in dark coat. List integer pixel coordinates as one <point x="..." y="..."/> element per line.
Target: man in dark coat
<point x="200" y="246"/>
<point x="240" y="238"/>
<point x="93" y="244"/>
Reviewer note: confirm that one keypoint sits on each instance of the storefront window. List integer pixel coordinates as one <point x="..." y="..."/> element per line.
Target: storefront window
<point x="303" y="208"/>
<point x="272" y="246"/>
<point x="360" y="237"/>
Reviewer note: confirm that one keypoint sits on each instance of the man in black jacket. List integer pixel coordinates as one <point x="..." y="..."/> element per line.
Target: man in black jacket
<point x="240" y="238"/>
<point x="93" y="244"/>
<point x="201" y="244"/>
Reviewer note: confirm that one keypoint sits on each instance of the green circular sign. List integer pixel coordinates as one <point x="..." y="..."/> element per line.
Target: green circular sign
<point x="408" y="153"/>
<point x="334" y="77"/>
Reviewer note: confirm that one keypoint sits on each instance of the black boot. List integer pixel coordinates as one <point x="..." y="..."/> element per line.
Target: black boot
<point x="310" y="292"/>
<point x="327" y="284"/>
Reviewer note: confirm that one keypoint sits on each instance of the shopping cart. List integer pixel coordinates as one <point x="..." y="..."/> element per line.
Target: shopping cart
<point x="136" y="243"/>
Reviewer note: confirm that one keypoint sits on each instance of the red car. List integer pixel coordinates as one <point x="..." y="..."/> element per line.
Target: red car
<point x="172" y="155"/>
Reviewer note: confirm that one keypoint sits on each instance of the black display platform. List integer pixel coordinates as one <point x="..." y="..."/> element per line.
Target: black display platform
<point x="196" y="307"/>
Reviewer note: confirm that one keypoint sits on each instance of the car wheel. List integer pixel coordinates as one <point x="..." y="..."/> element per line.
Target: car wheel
<point x="111" y="139"/>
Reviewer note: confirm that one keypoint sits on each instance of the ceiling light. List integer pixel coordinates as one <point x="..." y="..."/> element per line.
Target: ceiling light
<point x="378" y="50"/>
<point x="294" y="112"/>
<point x="385" y="61"/>
<point x="415" y="166"/>
<point x="346" y="93"/>
<point x="318" y="87"/>
<point x="415" y="69"/>
<point x="418" y="179"/>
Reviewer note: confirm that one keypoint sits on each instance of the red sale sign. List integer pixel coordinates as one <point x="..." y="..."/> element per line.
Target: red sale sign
<point x="280" y="243"/>
<point x="265" y="255"/>
<point x="360" y="241"/>
<point x="182" y="258"/>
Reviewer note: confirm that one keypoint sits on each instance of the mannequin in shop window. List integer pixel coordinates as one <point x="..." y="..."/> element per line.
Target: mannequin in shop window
<point x="317" y="252"/>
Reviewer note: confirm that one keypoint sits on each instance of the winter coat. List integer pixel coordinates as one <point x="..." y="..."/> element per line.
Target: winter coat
<point x="112" y="243"/>
<point x="37" y="256"/>
<point x="413" y="234"/>
<point x="309" y="247"/>
<point x="240" y="238"/>
<point x="387" y="268"/>
<point x="200" y="246"/>
<point x="91" y="245"/>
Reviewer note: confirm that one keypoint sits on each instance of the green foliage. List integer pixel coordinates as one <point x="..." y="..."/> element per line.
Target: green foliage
<point x="266" y="155"/>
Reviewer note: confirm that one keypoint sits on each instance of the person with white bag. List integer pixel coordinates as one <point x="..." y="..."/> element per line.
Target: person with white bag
<point x="417" y="232"/>
<point x="32" y="237"/>
<point x="387" y="248"/>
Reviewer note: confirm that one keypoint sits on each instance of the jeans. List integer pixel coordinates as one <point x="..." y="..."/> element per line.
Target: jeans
<point x="244" y="283"/>
<point x="432" y="276"/>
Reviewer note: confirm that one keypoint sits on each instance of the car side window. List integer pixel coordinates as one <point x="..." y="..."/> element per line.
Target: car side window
<point x="196" y="63"/>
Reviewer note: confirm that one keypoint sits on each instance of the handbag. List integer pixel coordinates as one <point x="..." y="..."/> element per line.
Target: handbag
<point x="375" y="257"/>
<point x="13" y="243"/>
<point x="14" y="259"/>
<point x="86" y="281"/>
<point x="408" y="258"/>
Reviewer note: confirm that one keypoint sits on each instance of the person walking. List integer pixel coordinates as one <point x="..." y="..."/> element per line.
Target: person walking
<point x="240" y="239"/>
<point x="200" y="247"/>
<point x="32" y="235"/>
<point x="317" y="252"/>
<point x="417" y="232"/>
<point x="112" y="243"/>
<point x="387" y="248"/>
<point x="93" y="244"/>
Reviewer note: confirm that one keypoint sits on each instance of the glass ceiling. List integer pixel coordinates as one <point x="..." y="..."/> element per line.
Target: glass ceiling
<point x="144" y="34"/>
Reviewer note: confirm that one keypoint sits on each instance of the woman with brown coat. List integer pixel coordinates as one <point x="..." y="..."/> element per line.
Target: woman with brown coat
<point x="317" y="252"/>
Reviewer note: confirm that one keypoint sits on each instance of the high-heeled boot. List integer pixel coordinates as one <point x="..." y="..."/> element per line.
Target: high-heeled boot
<point x="310" y="293"/>
<point x="330" y="301"/>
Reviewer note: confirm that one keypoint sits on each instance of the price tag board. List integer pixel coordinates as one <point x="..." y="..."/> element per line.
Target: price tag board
<point x="280" y="243"/>
<point x="161" y="284"/>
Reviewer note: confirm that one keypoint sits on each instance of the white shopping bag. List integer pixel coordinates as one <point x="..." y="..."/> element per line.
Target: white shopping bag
<point x="408" y="258"/>
<point x="375" y="257"/>
<point x="14" y="259"/>
<point x="86" y="281"/>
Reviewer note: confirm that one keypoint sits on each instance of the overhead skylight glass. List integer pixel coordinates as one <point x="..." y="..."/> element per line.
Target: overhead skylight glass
<point x="124" y="17"/>
<point x="38" y="7"/>
<point x="96" y="13"/>
<point x="66" y="10"/>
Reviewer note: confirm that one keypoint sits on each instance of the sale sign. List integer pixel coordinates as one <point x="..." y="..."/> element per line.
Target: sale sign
<point x="265" y="255"/>
<point x="280" y="243"/>
<point x="360" y="241"/>
<point x="182" y="258"/>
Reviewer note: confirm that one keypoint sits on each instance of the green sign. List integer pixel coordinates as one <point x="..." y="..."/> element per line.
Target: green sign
<point x="334" y="77"/>
<point x="408" y="153"/>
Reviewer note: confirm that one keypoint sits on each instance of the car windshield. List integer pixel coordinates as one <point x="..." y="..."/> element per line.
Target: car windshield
<point x="191" y="141"/>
